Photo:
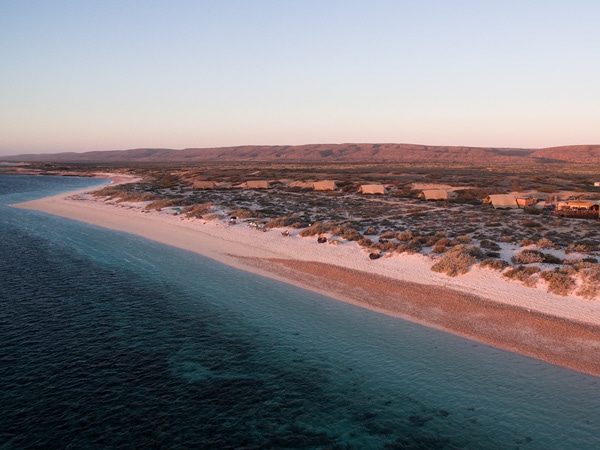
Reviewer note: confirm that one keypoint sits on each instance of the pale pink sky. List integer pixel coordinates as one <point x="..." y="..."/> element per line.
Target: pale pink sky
<point x="80" y="76"/>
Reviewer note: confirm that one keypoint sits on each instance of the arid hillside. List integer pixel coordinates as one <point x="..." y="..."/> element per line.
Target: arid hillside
<point x="585" y="154"/>
<point x="331" y="153"/>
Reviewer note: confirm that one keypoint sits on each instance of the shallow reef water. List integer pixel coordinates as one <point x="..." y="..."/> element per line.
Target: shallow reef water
<point x="112" y="341"/>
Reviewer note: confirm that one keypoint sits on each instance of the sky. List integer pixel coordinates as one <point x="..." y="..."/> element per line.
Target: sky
<point x="118" y="74"/>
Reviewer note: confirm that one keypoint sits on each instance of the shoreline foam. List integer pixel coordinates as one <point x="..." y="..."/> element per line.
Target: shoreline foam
<point x="479" y="305"/>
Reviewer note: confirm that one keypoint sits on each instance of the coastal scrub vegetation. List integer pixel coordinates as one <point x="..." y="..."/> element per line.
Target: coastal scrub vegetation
<point x="557" y="252"/>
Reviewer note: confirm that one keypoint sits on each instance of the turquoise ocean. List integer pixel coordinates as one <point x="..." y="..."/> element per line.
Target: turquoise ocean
<point x="108" y="340"/>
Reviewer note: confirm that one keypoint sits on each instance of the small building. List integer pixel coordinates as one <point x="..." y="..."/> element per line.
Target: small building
<point x="325" y="185"/>
<point x="502" y="201"/>
<point x="204" y="185"/>
<point x="372" y="189"/>
<point x="437" y="194"/>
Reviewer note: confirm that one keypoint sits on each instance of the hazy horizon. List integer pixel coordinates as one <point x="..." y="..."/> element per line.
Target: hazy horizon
<point x="82" y="76"/>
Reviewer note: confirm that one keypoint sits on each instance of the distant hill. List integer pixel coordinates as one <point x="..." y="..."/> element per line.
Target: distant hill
<point x="323" y="153"/>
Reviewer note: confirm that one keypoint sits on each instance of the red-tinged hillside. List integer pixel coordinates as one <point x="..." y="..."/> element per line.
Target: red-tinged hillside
<point x="317" y="153"/>
<point x="583" y="154"/>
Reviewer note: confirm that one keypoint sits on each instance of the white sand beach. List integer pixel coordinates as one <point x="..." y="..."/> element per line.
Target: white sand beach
<point x="480" y="305"/>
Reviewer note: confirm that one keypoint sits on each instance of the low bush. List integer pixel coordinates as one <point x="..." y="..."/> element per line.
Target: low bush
<point x="551" y="259"/>
<point x="365" y="242"/>
<point x="197" y="211"/>
<point x="485" y="243"/>
<point x="590" y="282"/>
<point x="494" y="263"/>
<point x="243" y="213"/>
<point x="281" y="222"/>
<point x="526" y="243"/>
<point x="455" y="263"/>
<point x="528" y="257"/>
<point x="315" y="229"/>
<point x="388" y="235"/>
<point x="405" y="235"/>
<point x="438" y="248"/>
<point x="521" y="273"/>
<point x="560" y="281"/>
<point x="545" y="243"/>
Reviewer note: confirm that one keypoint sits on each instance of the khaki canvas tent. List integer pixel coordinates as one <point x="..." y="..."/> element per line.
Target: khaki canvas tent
<point x="301" y="184"/>
<point x="582" y="204"/>
<point x="372" y="189"/>
<point x="325" y="185"/>
<point x="502" y="201"/>
<point x="204" y="185"/>
<point x="526" y="201"/>
<point x="256" y="184"/>
<point x="437" y="194"/>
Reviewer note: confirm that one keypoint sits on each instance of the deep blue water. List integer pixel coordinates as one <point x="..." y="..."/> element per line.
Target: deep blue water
<point x="111" y="341"/>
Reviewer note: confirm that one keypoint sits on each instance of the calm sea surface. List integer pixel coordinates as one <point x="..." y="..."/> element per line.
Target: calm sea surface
<point x="111" y="341"/>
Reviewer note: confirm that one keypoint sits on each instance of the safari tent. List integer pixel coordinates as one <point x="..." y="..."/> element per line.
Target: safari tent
<point x="301" y="185"/>
<point x="437" y="194"/>
<point x="256" y="184"/>
<point x="204" y="185"/>
<point x="372" y="189"/>
<point x="526" y="201"/>
<point x="325" y="185"/>
<point x="582" y="204"/>
<point x="502" y="201"/>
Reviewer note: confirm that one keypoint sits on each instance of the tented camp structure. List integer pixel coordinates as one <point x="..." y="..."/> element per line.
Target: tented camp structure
<point x="526" y="201"/>
<point x="437" y="194"/>
<point x="204" y="185"/>
<point x="372" y="189"/>
<point x="582" y="204"/>
<point x="502" y="201"/>
<point x="325" y="185"/>
<point x="256" y="184"/>
<point x="301" y="184"/>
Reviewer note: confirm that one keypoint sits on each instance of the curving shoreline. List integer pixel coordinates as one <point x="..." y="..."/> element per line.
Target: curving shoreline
<point x="479" y="306"/>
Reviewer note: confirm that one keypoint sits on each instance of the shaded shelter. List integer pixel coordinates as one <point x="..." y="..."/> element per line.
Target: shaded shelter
<point x="502" y="201"/>
<point x="372" y="189"/>
<point x="324" y="185"/>
<point x="437" y="194"/>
